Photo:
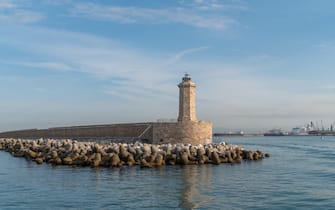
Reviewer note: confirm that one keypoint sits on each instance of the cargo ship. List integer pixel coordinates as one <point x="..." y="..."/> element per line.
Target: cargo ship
<point x="276" y="132"/>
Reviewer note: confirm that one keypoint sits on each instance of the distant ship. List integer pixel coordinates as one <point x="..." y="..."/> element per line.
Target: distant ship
<point x="238" y="133"/>
<point x="276" y="132"/>
<point x="313" y="129"/>
<point x="300" y="131"/>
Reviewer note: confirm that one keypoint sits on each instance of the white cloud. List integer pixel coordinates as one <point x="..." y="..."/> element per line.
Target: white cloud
<point x="130" y="15"/>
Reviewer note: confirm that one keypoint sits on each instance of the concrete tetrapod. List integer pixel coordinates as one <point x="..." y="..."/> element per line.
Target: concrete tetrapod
<point x="70" y="152"/>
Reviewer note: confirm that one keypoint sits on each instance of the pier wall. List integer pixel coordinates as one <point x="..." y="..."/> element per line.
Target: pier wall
<point x="157" y="133"/>
<point x="116" y="132"/>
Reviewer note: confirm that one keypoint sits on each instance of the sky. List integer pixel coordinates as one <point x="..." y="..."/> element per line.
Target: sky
<point x="258" y="65"/>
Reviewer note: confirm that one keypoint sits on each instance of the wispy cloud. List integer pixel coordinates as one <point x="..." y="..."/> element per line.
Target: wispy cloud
<point x="6" y="4"/>
<point x="58" y="2"/>
<point x="215" y="5"/>
<point x="131" y="15"/>
<point x="184" y="53"/>
<point x="207" y="5"/>
<point x="42" y="65"/>
<point x="325" y="44"/>
<point x="107" y="60"/>
<point x="11" y="12"/>
<point x="99" y="57"/>
<point x="226" y="92"/>
<point x="20" y="16"/>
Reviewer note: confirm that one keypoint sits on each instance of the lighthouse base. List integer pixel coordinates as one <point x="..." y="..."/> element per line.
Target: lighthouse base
<point x="182" y="132"/>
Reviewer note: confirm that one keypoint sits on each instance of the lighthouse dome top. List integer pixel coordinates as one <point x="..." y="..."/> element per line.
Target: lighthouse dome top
<point x="186" y="77"/>
<point x="186" y="81"/>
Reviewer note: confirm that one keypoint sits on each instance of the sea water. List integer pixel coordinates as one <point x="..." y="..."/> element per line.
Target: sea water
<point x="300" y="174"/>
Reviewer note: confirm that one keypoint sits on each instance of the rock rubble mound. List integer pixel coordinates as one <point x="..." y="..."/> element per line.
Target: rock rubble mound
<point x="71" y="152"/>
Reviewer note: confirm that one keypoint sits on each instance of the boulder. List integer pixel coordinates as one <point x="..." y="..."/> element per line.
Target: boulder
<point x="250" y="155"/>
<point x="193" y="151"/>
<point x="18" y="146"/>
<point x="115" y="160"/>
<point x="229" y="158"/>
<point x="233" y="154"/>
<point x="105" y="159"/>
<point x="146" y="149"/>
<point x="145" y="164"/>
<point x="224" y="159"/>
<point x="202" y="159"/>
<point x="123" y="153"/>
<point x="34" y="147"/>
<point x="39" y="160"/>
<point x="97" y="160"/>
<point x="57" y="161"/>
<point x="215" y="158"/>
<point x="151" y="158"/>
<point x="54" y="154"/>
<point x="68" y="146"/>
<point x="255" y="156"/>
<point x="18" y="153"/>
<point x="82" y="160"/>
<point x="171" y="159"/>
<point x="130" y="160"/>
<point x="132" y="150"/>
<point x="183" y="158"/>
<point x="200" y="152"/>
<point x="238" y="158"/>
<point x="67" y="161"/>
<point x="31" y="154"/>
<point x="260" y="154"/>
<point x="159" y="160"/>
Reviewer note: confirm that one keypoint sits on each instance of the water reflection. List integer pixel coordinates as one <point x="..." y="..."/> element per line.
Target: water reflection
<point x="196" y="179"/>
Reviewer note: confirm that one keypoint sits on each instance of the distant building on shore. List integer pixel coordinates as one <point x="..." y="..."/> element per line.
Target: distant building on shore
<point x="187" y="129"/>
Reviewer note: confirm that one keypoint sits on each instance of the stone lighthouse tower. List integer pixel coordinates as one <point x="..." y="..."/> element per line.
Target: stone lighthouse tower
<point x="188" y="129"/>
<point x="187" y="100"/>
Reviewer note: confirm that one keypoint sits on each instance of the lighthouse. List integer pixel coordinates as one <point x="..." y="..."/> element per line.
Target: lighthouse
<point x="187" y="111"/>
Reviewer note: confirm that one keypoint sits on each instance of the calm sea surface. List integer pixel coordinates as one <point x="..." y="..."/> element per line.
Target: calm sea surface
<point x="300" y="174"/>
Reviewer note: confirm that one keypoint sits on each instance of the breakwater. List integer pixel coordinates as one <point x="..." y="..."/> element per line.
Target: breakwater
<point x="70" y="152"/>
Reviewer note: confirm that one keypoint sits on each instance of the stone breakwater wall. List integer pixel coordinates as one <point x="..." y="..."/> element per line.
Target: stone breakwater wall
<point x="157" y="133"/>
<point x="124" y="132"/>
<point x="69" y="152"/>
